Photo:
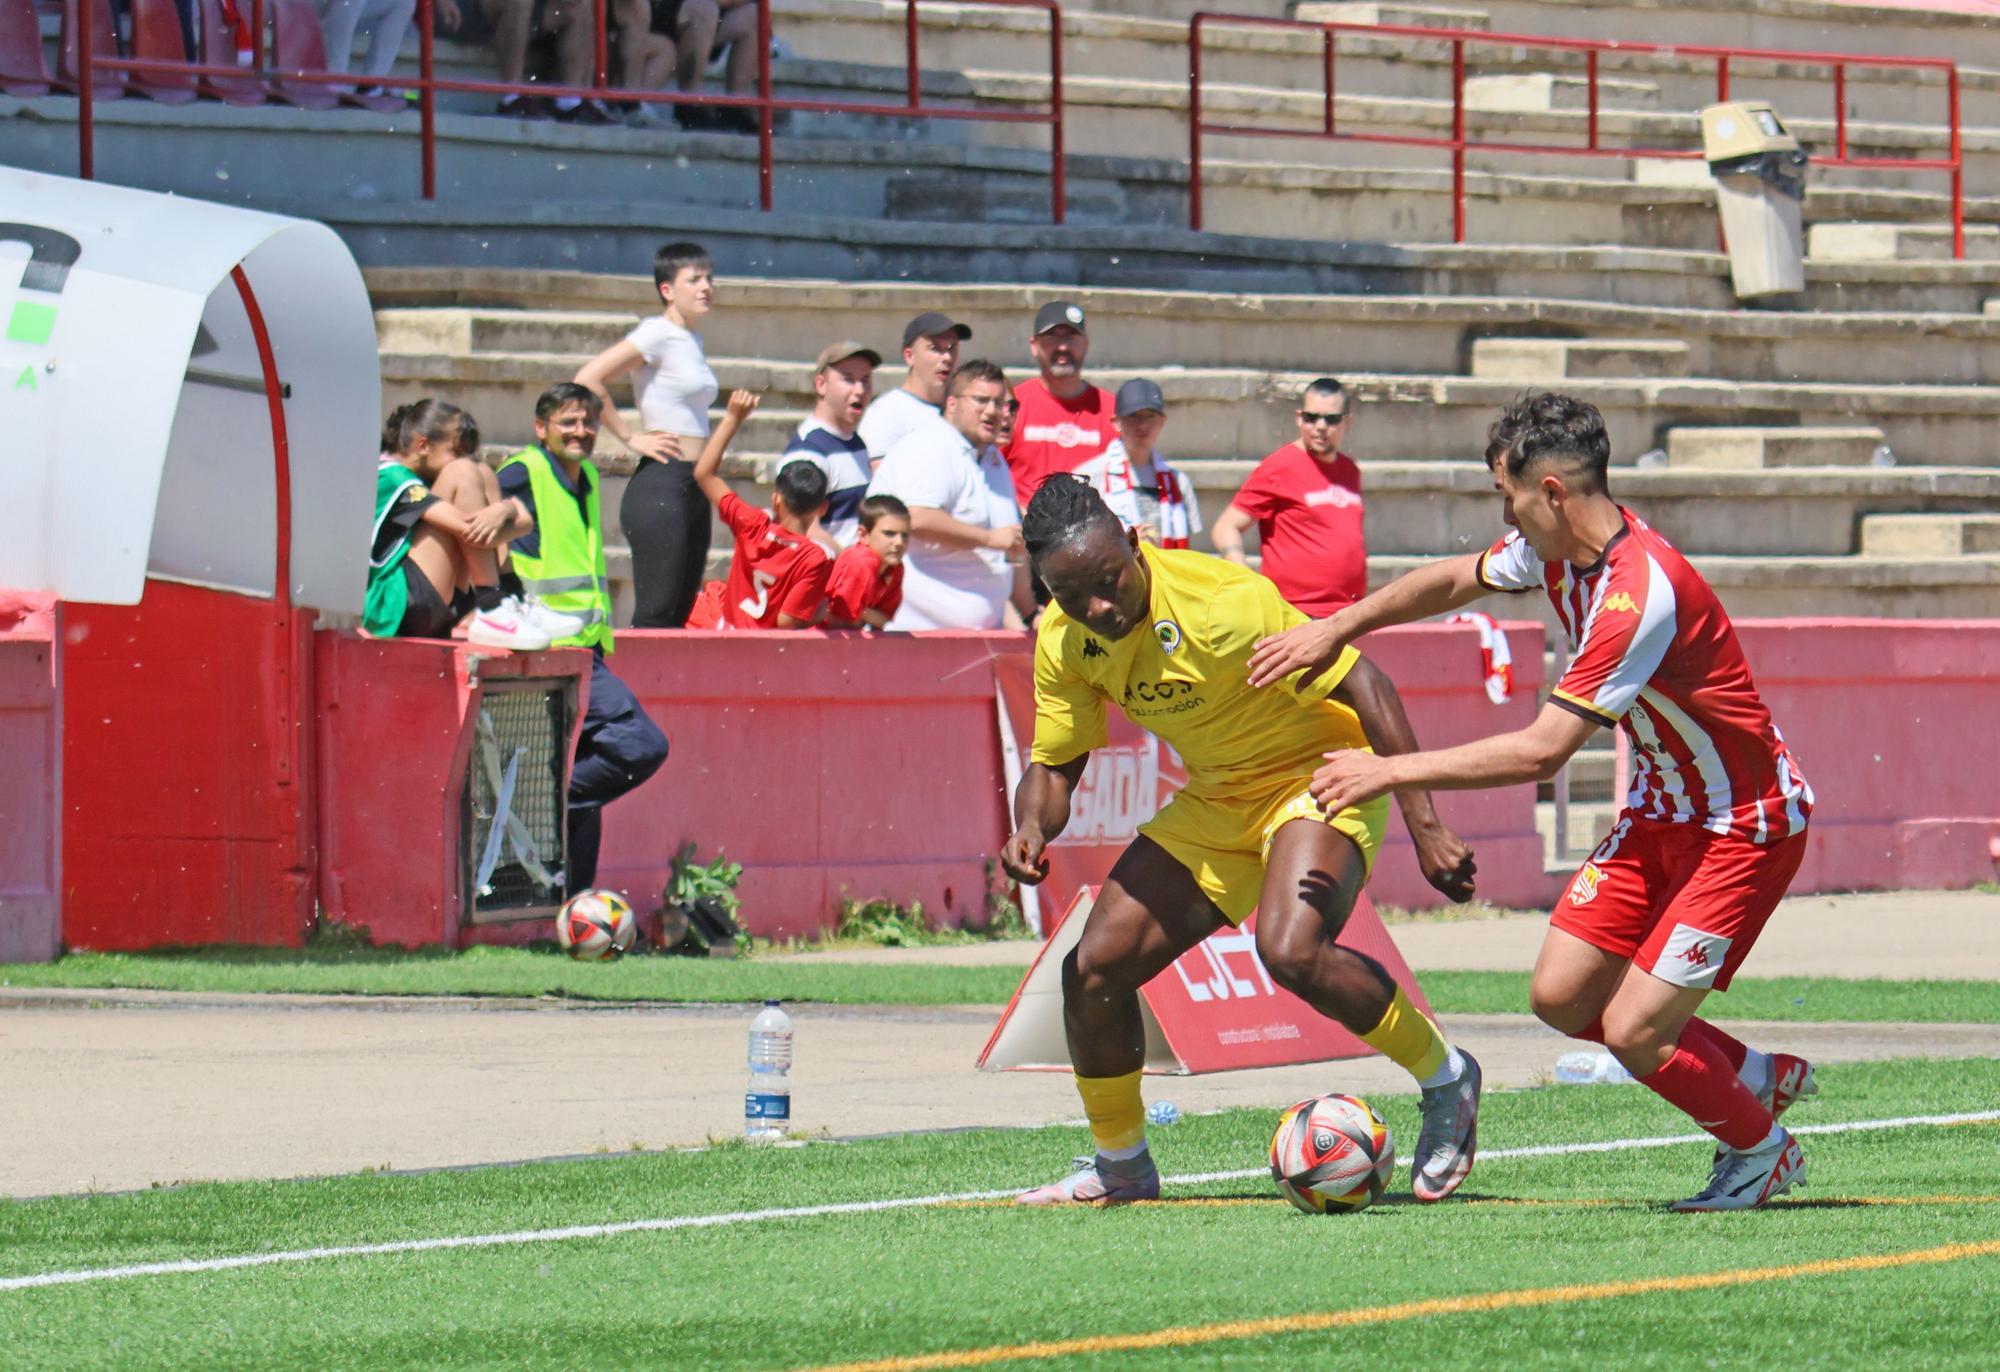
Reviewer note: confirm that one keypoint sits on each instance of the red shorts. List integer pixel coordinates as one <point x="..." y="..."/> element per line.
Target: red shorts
<point x="1682" y="903"/>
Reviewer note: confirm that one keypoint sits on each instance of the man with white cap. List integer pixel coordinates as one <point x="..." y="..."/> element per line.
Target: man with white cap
<point x="1142" y="490"/>
<point x="1063" y="420"/>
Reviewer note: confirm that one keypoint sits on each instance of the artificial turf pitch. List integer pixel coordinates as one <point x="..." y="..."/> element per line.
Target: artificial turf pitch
<point x="1888" y="1258"/>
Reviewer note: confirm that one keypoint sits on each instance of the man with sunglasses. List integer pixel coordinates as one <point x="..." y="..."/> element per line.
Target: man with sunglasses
<point x="1305" y="500"/>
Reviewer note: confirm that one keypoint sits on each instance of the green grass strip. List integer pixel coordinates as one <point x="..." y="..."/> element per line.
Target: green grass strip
<point x="520" y="972"/>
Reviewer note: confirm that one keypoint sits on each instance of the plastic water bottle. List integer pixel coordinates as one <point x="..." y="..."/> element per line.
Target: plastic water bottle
<point x="767" y="1105"/>
<point x="1584" y="1068"/>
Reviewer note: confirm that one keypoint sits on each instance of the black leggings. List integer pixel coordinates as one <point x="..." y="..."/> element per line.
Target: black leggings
<point x="666" y="519"/>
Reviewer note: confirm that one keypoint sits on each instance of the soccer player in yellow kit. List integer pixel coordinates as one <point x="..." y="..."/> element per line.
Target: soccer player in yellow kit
<point x="1166" y="636"/>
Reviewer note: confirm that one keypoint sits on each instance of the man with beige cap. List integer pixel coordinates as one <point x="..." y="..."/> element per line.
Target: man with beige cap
<point x="843" y="380"/>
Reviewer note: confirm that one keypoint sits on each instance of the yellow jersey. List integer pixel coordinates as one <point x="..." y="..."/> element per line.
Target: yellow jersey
<point x="1182" y="676"/>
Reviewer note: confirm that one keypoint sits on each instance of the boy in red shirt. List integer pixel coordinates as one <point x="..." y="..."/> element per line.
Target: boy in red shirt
<point x="778" y="574"/>
<point x="867" y="585"/>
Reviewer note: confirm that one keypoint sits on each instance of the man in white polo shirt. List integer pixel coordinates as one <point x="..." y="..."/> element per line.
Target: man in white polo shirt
<point x="930" y="349"/>
<point x="966" y="559"/>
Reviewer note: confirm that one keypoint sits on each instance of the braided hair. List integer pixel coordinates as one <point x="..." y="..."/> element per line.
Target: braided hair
<point x="1066" y="508"/>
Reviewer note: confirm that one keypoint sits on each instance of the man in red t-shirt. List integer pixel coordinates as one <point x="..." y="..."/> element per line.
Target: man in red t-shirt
<point x="1714" y="826"/>
<point x="1305" y="500"/>
<point x="1063" y="421"/>
<point x="778" y="573"/>
<point x="867" y="585"/>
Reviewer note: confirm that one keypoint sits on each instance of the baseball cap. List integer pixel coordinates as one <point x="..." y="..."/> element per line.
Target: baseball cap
<point x="844" y="349"/>
<point x="1057" y="313"/>
<point x="1139" y="394"/>
<point x="930" y="324"/>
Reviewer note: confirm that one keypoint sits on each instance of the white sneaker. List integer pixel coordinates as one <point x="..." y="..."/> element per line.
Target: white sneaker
<point x="1093" y="1183"/>
<point x="505" y="627"/>
<point x="542" y="617"/>
<point x="1744" y="1181"/>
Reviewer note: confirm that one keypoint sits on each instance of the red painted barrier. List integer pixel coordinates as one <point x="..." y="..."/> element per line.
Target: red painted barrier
<point x="29" y="737"/>
<point x="395" y="734"/>
<point x="187" y="810"/>
<point x="1891" y="721"/>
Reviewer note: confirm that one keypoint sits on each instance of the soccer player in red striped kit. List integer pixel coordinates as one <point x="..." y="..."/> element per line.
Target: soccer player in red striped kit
<point x="1714" y="826"/>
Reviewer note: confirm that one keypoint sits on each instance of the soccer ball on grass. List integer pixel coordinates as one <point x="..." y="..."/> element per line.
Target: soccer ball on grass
<point x="1332" y="1155"/>
<point x="595" y="925"/>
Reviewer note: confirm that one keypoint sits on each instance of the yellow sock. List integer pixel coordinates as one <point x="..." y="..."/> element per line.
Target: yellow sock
<point x="1116" y="1111"/>
<point x="1408" y="1037"/>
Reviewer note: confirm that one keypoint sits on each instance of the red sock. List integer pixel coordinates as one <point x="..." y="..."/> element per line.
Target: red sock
<point x="1733" y="1049"/>
<point x="1698" y="1081"/>
<point x="1592" y="1032"/>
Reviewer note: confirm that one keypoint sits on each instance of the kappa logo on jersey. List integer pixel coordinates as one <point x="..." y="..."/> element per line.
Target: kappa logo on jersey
<point x="1692" y="957"/>
<point x="1584" y="889"/>
<point x="1169" y="634"/>
<point x="1621" y="600"/>
<point x="1092" y="648"/>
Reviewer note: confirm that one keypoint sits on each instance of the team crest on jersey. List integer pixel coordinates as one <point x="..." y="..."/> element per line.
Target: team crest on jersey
<point x="1584" y="889"/>
<point x="1621" y="600"/>
<point x="415" y="493"/>
<point x="1169" y="634"/>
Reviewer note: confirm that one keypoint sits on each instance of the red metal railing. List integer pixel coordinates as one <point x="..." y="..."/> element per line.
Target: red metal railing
<point x="1593" y="146"/>
<point x="427" y="84"/>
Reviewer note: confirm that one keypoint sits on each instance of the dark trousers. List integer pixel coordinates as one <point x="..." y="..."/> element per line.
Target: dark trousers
<point x="666" y="519"/>
<point x="618" y="747"/>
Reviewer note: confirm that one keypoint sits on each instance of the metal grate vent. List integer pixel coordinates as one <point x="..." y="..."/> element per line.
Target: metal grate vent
<point x="514" y="812"/>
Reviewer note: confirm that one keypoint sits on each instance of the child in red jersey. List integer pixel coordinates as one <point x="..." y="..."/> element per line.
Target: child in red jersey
<point x="867" y="585"/>
<point x="778" y="575"/>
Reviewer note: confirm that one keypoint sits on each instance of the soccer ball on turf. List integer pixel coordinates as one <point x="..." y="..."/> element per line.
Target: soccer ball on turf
<point x="595" y="925"/>
<point x="1332" y="1154"/>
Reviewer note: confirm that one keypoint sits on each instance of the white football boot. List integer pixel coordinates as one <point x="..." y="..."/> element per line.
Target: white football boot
<point x="1745" y="1180"/>
<point x="1093" y="1183"/>
<point x="1446" y="1141"/>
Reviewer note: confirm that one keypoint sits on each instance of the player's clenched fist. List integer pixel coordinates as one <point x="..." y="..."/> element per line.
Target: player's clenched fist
<point x="1446" y="862"/>
<point x="742" y="404"/>
<point x="1315" y="646"/>
<point x="1021" y="857"/>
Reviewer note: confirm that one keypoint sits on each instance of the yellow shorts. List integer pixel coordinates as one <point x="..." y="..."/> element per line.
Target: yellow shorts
<point x="1225" y="841"/>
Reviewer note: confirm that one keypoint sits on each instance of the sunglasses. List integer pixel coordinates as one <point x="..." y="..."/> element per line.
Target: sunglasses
<point x="1310" y="417"/>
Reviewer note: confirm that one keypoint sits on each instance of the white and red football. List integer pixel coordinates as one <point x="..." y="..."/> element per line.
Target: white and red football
<point x="1332" y="1154"/>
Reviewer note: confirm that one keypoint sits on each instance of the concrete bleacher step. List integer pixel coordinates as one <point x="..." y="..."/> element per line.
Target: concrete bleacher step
<point x="1931" y="535"/>
<point x="1899" y="242"/>
<point x="1404" y="16"/>
<point x="1552" y="359"/>
<point x="451" y="311"/>
<point x="1741" y="447"/>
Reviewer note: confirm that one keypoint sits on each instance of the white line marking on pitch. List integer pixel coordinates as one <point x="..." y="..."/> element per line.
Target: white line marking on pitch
<point x="600" y="1231"/>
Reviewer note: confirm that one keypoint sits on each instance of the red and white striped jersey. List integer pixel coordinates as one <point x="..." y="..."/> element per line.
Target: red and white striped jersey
<point x="1654" y="651"/>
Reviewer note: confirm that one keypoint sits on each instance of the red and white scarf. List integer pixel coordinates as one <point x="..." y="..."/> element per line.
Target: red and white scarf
<point x="1496" y="659"/>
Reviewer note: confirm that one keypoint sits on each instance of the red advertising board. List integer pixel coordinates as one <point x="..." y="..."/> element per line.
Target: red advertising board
<point x="1216" y="1008"/>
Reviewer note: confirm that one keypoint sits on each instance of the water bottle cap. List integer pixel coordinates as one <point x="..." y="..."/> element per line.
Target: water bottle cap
<point x="772" y="1003"/>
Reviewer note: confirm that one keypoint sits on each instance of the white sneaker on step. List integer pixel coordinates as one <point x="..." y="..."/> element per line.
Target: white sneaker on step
<point x="555" y="623"/>
<point x="505" y="626"/>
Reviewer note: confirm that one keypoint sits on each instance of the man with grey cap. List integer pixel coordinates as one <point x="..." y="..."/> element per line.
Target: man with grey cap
<point x="1142" y="490"/>
<point x="930" y="348"/>
<point x="843" y="379"/>
<point x="1063" y="421"/>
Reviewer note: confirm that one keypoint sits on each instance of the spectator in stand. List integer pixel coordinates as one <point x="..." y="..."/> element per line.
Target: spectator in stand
<point x="662" y="39"/>
<point x="966" y="558"/>
<point x="930" y="349"/>
<point x="1305" y="500"/>
<point x="440" y="521"/>
<point x="778" y="573"/>
<point x="561" y="559"/>
<point x="573" y="27"/>
<point x="387" y="23"/>
<point x="866" y="589"/>
<point x="1064" y="421"/>
<point x="843" y="379"/>
<point x="665" y="518"/>
<point x="1141" y="489"/>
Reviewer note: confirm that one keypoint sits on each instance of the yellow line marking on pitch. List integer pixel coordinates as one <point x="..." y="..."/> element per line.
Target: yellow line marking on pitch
<point x="1186" y="1336"/>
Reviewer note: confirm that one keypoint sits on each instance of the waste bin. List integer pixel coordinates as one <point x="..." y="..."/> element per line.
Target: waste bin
<point x="1760" y="186"/>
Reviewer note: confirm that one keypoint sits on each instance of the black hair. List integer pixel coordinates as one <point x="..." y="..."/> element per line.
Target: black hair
<point x="972" y="372"/>
<point x="803" y="485"/>
<point x="567" y="393"/>
<point x="1325" y="386"/>
<point x="670" y="260"/>
<point x="468" y="434"/>
<point x="1549" y="424"/>
<point x="1065" y="509"/>
<point x="875" y="506"/>
<point x="436" y="420"/>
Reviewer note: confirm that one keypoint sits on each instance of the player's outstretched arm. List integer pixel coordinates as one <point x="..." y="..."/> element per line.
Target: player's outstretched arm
<point x="1444" y="857"/>
<point x="1535" y="753"/>
<point x="1434" y="589"/>
<point x="708" y="467"/>
<point x="1041" y="811"/>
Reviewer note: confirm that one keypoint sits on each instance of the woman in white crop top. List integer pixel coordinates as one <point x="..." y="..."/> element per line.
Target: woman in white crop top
<point x="665" y="516"/>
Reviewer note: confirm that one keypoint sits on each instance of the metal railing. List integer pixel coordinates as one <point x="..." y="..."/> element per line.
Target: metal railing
<point x="427" y="84"/>
<point x="1459" y="144"/>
